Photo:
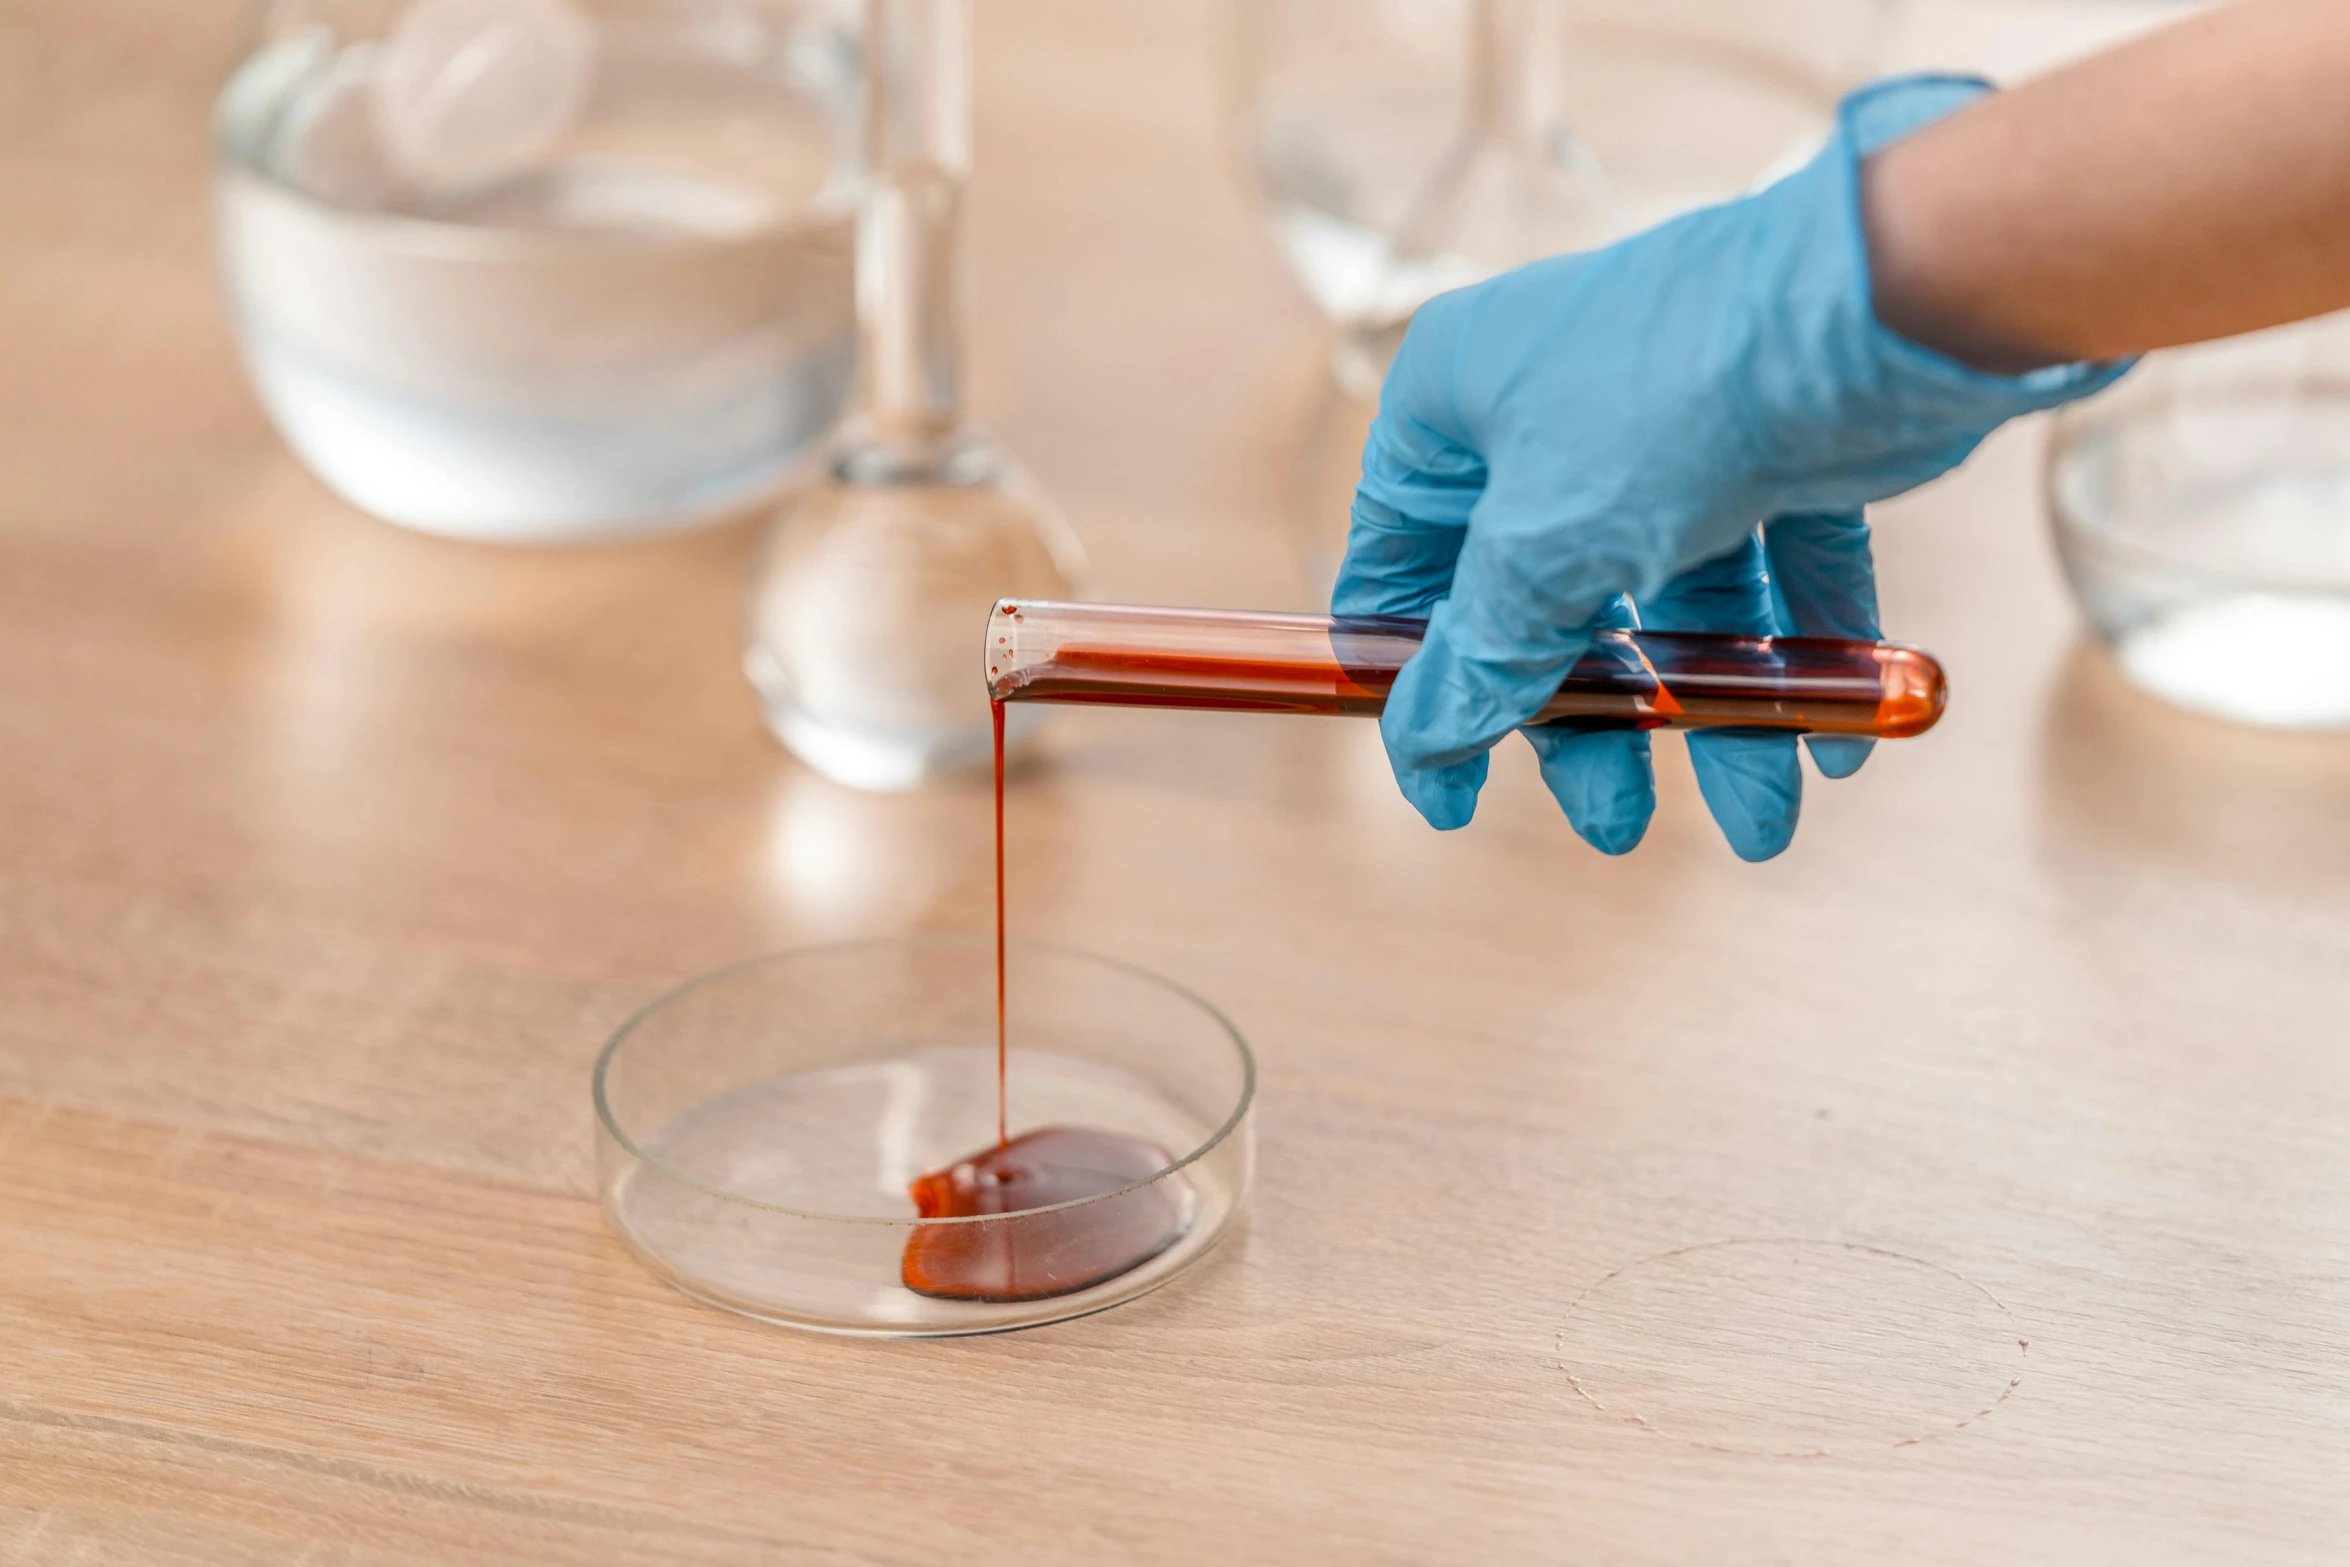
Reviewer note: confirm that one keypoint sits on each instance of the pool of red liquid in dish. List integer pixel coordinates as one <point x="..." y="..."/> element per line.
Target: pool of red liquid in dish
<point x="1033" y="1256"/>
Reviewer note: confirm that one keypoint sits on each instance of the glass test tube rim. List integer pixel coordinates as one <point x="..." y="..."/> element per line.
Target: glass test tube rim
<point x="2123" y="417"/>
<point x="1240" y="1108"/>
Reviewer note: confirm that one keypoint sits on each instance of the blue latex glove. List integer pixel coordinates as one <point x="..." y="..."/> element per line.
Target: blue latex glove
<point x="1593" y="432"/>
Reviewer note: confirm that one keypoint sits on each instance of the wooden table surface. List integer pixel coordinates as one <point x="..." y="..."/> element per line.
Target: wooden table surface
<point x="1970" y="1185"/>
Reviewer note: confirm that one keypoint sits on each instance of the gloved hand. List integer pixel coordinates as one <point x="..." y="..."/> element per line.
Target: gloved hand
<point x="1595" y="432"/>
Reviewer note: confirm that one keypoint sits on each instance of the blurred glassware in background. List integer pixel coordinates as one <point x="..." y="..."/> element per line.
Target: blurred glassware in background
<point x="543" y="269"/>
<point x="869" y="601"/>
<point x="1405" y="147"/>
<point x="2135" y="793"/>
<point x="2202" y="511"/>
<point x="1325" y="450"/>
<point x="2009" y="40"/>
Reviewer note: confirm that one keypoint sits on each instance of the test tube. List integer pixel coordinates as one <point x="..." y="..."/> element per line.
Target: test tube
<point x="1127" y="655"/>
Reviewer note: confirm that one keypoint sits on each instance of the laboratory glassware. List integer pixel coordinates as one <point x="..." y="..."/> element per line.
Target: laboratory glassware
<point x="762" y="1133"/>
<point x="2202" y="512"/>
<point x="530" y="270"/>
<point x="1399" y="148"/>
<point x="868" y="585"/>
<point x="1245" y="661"/>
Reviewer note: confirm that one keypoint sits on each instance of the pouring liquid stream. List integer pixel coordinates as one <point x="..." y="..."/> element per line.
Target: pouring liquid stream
<point x="1108" y="1204"/>
<point x="1122" y="1216"/>
<point x="1003" y="1096"/>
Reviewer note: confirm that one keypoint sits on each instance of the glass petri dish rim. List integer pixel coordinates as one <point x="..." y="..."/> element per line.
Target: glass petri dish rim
<point x="620" y="1036"/>
<point x="2071" y="425"/>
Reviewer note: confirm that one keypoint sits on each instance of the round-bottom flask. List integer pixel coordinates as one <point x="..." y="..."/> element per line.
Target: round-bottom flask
<point x="869" y="605"/>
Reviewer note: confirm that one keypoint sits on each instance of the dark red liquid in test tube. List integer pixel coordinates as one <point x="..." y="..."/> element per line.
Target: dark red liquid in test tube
<point x="1131" y="656"/>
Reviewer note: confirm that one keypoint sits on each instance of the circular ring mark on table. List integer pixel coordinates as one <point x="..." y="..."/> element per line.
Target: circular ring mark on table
<point x="1791" y="1348"/>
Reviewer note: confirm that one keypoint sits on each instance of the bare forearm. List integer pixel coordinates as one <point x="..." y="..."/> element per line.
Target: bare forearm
<point x="2191" y="185"/>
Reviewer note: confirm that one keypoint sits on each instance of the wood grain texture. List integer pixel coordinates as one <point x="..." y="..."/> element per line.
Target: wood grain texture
<point x="1624" y="1211"/>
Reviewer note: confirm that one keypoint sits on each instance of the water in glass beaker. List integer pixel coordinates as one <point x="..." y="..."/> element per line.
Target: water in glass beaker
<point x="535" y="269"/>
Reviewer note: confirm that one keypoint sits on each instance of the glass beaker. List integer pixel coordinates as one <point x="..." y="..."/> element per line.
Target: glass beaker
<point x="870" y="596"/>
<point x="532" y="270"/>
<point x="2202" y="512"/>
<point x="1404" y="147"/>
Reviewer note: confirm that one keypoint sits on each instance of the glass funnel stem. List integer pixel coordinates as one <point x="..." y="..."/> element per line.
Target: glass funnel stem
<point x="912" y="274"/>
<point x="1501" y="58"/>
<point x="1496" y="119"/>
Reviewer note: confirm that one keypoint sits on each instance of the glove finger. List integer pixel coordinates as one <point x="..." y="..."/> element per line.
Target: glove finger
<point x="1532" y="578"/>
<point x="1838" y="756"/>
<point x="1418" y="485"/>
<point x="1729" y="593"/>
<point x="1421" y="482"/>
<point x="1602" y="778"/>
<point x="1824" y="584"/>
<point x="1395" y="564"/>
<point x="1753" y="785"/>
<point x="1445" y="797"/>
<point x="1823" y="577"/>
<point x="1752" y="780"/>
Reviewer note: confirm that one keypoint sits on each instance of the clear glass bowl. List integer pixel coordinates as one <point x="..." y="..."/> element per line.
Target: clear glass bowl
<point x="533" y="270"/>
<point x="2202" y="512"/>
<point x="758" y="1129"/>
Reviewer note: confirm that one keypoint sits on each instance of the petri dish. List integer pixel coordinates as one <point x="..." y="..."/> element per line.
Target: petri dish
<point x="2202" y="512"/>
<point x="760" y="1130"/>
